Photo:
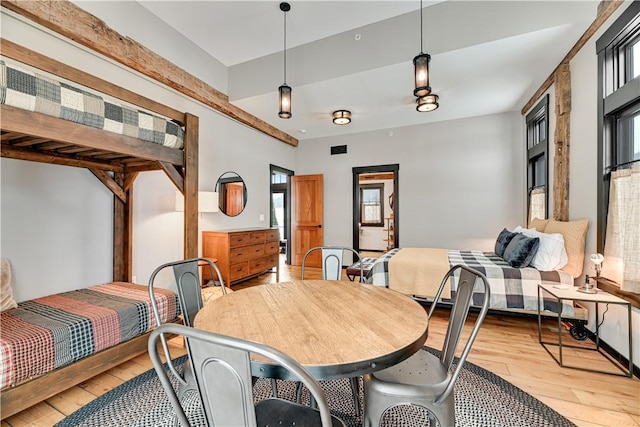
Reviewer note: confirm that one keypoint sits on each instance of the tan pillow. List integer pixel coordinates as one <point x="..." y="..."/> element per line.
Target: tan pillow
<point x="575" y="236"/>
<point x="6" y="293"/>
<point x="538" y="224"/>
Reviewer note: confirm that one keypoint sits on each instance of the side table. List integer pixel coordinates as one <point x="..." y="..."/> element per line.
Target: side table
<point x="598" y="298"/>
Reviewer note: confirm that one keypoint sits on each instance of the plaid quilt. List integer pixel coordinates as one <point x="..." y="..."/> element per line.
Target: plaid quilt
<point x="511" y="288"/>
<point x="51" y="332"/>
<point x="31" y="91"/>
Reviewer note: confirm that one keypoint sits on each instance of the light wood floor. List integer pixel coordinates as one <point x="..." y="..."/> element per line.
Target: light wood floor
<point x="507" y="345"/>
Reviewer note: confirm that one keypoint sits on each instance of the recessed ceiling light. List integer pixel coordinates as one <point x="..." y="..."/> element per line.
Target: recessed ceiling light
<point x="302" y="131"/>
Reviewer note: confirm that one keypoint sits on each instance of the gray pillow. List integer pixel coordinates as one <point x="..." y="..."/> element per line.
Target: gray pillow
<point x="502" y="241"/>
<point x="521" y="250"/>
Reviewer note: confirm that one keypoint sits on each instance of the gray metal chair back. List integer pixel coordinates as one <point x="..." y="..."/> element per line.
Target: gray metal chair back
<point x="332" y="261"/>
<point x="424" y="379"/>
<point x="187" y="277"/>
<point x="222" y="369"/>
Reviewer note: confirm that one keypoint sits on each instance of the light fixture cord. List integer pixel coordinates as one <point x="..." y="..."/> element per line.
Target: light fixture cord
<point x="421" y="50"/>
<point x="285" y="47"/>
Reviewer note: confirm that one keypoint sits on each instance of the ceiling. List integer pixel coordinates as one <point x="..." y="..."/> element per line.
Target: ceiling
<point x="486" y="56"/>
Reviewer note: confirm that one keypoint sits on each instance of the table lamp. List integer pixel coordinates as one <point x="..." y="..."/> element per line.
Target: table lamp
<point x="592" y="288"/>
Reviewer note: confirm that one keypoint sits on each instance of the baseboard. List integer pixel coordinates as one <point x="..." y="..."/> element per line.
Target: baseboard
<point x="614" y="353"/>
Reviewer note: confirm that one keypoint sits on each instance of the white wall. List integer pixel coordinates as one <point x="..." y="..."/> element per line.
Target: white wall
<point x="57" y="221"/>
<point x="460" y="182"/>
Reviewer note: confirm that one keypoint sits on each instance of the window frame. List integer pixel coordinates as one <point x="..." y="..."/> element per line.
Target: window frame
<point x="380" y="188"/>
<point x="537" y="145"/>
<point x="618" y="93"/>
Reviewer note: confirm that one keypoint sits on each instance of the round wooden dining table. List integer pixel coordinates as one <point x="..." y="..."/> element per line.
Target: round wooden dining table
<point x="333" y="328"/>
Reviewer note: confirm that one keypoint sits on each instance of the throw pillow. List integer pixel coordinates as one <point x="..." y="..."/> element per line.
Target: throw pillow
<point x="6" y="293"/>
<point x="539" y="224"/>
<point x="551" y="254"/>
<point x="575" y="237"/>
<point x="521" y="250"/>
<point x="502" y="241"/>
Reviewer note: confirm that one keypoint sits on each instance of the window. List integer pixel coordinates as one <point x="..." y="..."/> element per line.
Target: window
<point x="537" y="147"/>
<point x="371" y="206"/>
<point x="619" y="149"/>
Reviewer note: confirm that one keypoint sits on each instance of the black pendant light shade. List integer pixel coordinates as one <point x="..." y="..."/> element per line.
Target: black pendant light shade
<point x="284" y="90"/>
<point x="427" y="103"/>
<point x="421" y="65"/>
<point x="285" y="102"/>
<point x="425" y="99"/>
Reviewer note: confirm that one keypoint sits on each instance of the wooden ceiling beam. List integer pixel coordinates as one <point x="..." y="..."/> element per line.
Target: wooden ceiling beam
<point x="71" y="21"/>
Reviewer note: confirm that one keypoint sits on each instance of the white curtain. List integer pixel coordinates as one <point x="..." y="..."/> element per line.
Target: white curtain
<point x="622" y="244"/>
<point x="537" y="204"/>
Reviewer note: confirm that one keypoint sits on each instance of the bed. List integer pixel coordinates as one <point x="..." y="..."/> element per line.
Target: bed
<point x="54" y="113"/>
<point x="48" y="333"/>
<point x="418" y="271"/>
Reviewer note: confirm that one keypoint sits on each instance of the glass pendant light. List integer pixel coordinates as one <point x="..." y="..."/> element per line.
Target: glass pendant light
<point x="284" y="90"/>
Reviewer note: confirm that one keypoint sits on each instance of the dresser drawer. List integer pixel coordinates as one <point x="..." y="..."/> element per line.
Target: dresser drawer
<point x="239" y="239"/>
<point x="256" y="237"/>
<point x="272" y="236"/>
<point x="271" y="248"/>
<point x="238" y="271"/>
<point x="246" y="253"/>
<point x="261" y="264"/>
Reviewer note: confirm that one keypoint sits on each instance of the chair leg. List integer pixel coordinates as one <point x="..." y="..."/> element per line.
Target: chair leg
<point x="274" y="387"/>
<point x="355" y="388"/>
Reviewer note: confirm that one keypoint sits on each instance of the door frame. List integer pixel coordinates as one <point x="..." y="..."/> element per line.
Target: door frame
<point x="357" y="171"/>
<point x="287" y="202"/>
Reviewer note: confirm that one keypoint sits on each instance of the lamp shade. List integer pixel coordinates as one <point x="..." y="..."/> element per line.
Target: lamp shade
<point x="342" y="117"/>
<point x="421" y="65"/>
<point x="207" y="201"/>
<point x="427" y="103"/>
<point x="285" y="101"/>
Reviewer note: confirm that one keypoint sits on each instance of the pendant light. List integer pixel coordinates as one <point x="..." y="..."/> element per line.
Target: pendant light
<point x="426" y="101"/>
<point x="285" y="90"/>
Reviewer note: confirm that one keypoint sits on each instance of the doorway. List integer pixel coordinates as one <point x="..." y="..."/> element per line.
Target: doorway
<point x="280" y="216"/>
<point x="375" y="207"/>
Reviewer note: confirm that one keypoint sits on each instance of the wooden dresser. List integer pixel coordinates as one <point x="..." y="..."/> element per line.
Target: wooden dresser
<point x="241" y="253"/>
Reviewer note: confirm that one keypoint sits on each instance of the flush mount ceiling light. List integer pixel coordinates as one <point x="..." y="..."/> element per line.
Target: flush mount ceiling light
<point x="285" y="90"/>
<point x="427" y="103"/>
<point x="421" y="69"/>
<point x="341" y="117"/>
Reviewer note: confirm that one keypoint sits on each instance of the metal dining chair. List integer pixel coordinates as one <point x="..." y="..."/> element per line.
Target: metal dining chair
<point x="187" y="278"/>
<point x="332" y="262"/>
<point x="222" y="371"/>
<point x="424" y="379"/>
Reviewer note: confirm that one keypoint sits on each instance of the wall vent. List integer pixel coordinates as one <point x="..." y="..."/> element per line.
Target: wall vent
<point x="338" y="149"/>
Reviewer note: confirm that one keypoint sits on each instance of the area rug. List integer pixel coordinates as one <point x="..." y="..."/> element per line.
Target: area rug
<point x="482" y="399"/>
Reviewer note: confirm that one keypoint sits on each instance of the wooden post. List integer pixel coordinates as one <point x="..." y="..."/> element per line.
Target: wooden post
<point x="562" y="79"/>
<point x="190" y="189"/>
<point x="123" y="229"/>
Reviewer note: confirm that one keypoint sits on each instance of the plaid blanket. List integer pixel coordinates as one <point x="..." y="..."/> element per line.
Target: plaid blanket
<point x="511" y="288"/>
<point x="50" y="332"/>
<point x="24" y="89"/>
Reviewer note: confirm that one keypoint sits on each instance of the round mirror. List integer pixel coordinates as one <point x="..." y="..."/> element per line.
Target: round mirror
<point x="232" y="193"/>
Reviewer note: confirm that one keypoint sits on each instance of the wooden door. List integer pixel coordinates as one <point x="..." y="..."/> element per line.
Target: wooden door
<point x="307" y="199"/>
<point x="235" y="198"/>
